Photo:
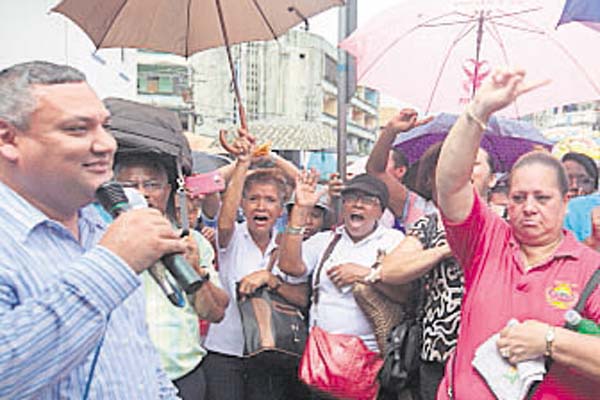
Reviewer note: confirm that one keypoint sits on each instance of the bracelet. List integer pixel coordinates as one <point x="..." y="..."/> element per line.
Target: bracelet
<point x="473" y="118"/>
<point x="295" y="230"/>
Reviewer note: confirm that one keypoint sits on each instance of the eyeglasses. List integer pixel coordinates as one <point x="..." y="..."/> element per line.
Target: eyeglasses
<point x="366" y="199"/>
<point x="148" y="186"/>
<point x="580" y="180"/>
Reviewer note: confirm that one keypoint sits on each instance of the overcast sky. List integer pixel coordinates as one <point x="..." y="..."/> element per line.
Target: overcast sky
<point x="325" y="23"/>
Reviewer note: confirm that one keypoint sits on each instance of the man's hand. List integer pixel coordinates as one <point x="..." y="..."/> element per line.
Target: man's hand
<point x="347" y="274"/>
<point x="501" y="89"/>
<point x="523" y="341"/>
<point x="192" y="254"/>
<point x="141" y="237"/>
<point x="307" y="194"/>
<point x="404" y="121"/>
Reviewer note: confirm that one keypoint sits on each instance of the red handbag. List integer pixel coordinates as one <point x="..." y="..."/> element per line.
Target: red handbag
<point x="336" y="364"/>
<point x="340" y="365"/>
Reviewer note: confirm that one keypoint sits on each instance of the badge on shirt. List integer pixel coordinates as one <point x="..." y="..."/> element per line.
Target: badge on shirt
<point x="562" y="295"/>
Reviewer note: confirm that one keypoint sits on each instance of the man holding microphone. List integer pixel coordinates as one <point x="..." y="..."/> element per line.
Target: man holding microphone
<point x="71" y="313"/>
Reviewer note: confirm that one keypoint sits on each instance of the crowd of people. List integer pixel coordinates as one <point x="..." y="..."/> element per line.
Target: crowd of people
<point x="497" y="259"/>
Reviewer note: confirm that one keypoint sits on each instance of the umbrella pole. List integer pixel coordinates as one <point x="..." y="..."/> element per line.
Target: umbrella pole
<point x="236" y="89"/>
<point x="477" y="54"/>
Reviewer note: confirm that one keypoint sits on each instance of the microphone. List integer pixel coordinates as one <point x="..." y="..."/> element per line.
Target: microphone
<point x="114" y="200"/>
<point x="157" y="271"/>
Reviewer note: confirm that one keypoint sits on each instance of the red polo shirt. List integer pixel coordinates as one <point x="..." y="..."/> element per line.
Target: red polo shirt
<point x="498" y="288"/>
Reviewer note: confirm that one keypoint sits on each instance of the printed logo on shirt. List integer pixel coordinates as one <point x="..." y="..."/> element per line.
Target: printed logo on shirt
<point x="562" y="295"/>
<point x="511" y="375"/>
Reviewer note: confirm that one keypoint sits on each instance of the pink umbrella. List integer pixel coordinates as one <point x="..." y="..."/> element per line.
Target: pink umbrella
<point x="434" y="54"/>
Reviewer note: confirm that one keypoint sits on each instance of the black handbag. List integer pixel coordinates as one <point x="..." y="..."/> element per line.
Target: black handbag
<point x="275" y="330"/>
<point x="402" y="358"/>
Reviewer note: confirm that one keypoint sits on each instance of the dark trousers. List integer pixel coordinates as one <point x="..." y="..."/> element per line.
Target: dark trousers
<point x="430" y="376"/>
<point x="192" y="386"/>
<point x="234" y="378"/>
<point x="224" y="377"/>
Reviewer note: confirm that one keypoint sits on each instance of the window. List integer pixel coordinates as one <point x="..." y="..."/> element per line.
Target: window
<point x="162" y="79"/>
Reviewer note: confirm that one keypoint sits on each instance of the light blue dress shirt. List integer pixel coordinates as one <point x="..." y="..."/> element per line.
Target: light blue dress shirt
<point x="58" y="297"/>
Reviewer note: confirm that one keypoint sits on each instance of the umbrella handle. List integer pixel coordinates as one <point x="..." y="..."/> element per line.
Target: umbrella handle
<point x="242" y="114"/>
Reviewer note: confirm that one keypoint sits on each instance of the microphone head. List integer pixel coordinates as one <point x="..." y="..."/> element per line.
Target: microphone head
<point x="112" y="198"/>
<point x="136" y="199"/>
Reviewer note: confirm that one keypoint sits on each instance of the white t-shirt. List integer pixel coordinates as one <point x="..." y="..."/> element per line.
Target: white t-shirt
<point x="337" y="311"/>
<point x="240" y="258"/>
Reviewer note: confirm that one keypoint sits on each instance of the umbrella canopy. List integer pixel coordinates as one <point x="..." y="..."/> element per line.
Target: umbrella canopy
<point x="505" y="139"/>
<point x="434" y="54"/>
<point x="204" y="162"/>
<point x="585" y="11"/>
<point x="294" y="135"/>
<point x="185" y="27"/>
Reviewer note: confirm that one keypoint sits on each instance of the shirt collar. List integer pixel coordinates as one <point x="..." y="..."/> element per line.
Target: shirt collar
<point x="25" y="217"/>
<point x="375" y="235"/>
<point x="568" y="247"/>
<point x="272" y="242"/>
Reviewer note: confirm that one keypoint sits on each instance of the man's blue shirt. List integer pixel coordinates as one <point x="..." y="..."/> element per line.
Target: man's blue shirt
<point x="59" y="296"/>
<point x="579" y="215"/>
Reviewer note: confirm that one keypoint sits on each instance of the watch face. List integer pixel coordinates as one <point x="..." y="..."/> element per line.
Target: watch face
<point x="550" y="335"/>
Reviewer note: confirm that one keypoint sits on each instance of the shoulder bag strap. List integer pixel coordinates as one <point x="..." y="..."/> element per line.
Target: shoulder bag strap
<point x="589" y="288"/>
<point x="587" y="291"/>
<point x="272" y="259"/>
<point x="317" y="276"/>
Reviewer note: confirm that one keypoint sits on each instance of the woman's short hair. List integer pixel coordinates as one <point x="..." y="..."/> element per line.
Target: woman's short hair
<point x="547" y="160"/>
<point x="272" y="176"/>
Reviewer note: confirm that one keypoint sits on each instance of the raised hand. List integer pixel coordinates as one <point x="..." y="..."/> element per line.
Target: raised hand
<point x="307" y="194"/>
<point x="499" y="90"/>
<point x="242" y="147"/>
<point x="405" y="120"/>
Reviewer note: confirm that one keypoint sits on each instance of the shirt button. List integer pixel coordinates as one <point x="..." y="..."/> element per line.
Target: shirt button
<point x="522" y="287"/>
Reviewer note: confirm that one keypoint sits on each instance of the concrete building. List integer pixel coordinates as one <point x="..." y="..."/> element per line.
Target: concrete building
<point x="291" y="79"/>
<point x="29" y="31"/>
<point x="582" y="119"/>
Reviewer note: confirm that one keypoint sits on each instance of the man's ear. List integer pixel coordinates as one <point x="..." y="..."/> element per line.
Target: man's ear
<point x="399" y="172"/>
<point x="8" y="148"/>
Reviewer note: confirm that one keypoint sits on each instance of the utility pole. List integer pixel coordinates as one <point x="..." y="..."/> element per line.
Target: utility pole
<point x="346" y="24"/>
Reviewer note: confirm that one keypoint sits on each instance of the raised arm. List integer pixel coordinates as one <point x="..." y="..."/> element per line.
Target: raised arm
<point x="290" y="256"/>
<point x="378" y="159"/>
<point x="459" y="151"/>
<point x="242" y="149"/>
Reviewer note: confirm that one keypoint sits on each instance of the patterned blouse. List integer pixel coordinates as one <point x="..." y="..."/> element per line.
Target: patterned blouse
<point x="444" y="286"/>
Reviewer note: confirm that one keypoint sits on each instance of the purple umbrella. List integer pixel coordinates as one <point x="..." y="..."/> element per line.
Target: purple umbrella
<point x="505" y="139"/>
